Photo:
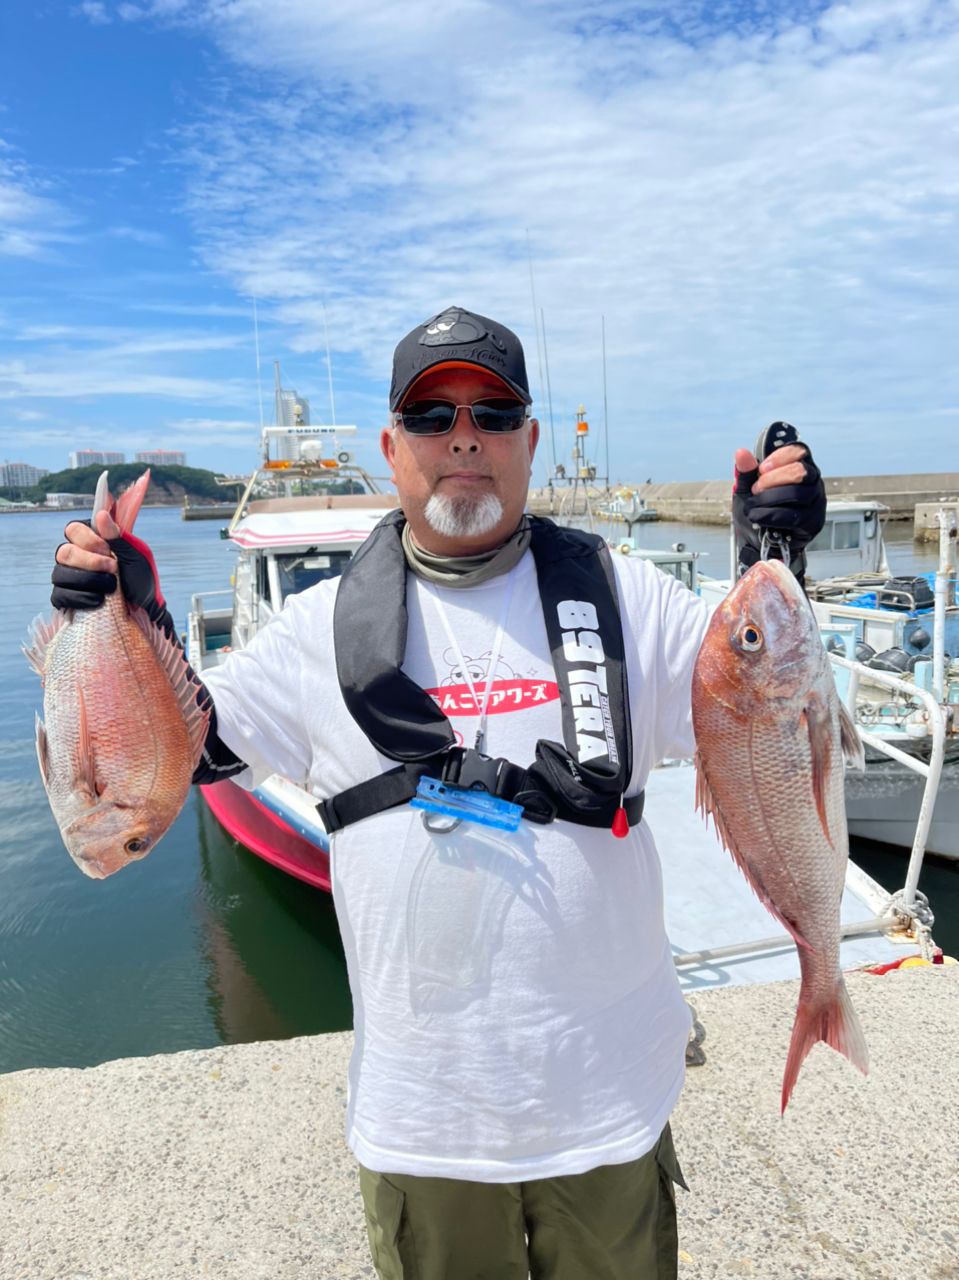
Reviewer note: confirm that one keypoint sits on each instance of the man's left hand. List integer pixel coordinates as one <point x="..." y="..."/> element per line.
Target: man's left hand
<point x="782" y="494"/>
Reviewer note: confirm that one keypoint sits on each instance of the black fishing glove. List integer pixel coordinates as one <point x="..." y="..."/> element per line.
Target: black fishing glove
<point x="788" y="517"/>
<point x="87" y="589"/>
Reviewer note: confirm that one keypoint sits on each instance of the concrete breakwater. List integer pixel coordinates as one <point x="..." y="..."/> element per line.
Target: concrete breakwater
<point x="708" y="501"/>
<point x="230" y="1162"/>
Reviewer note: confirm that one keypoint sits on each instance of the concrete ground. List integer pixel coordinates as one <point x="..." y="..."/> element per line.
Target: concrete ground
<point x="230" y="1162"/>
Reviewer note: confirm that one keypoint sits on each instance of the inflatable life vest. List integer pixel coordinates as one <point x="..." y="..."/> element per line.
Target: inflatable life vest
<point x="582" y="780"/>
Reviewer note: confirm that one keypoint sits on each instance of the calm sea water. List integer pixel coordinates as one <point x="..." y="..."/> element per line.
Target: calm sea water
<point x="201" y="943"/>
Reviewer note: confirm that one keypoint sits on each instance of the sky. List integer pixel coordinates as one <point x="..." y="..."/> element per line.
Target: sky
<point x="754" y="200"/>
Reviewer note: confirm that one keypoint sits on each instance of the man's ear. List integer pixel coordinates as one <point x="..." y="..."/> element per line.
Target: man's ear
<point x="533" y="436"/>
<point x="388" y="445"/>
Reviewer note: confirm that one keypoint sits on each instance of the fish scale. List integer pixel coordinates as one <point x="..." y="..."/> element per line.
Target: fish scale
<point x="122" y="731"/>
<point x="771" y="735"/>
<point x="108" y="657"/>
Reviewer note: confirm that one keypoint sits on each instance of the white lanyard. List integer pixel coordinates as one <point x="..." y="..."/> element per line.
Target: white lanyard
<point x="481" y="707"/>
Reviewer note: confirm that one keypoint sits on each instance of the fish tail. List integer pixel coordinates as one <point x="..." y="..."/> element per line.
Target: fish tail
<point x="129" y="503"/>
<point x="834" y="1021"/>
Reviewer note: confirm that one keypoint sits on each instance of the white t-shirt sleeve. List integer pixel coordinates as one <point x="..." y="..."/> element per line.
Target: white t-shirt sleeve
<point x="664" y="624"/>
<point x="683" y="621"/>
<point x="259" y="708"/>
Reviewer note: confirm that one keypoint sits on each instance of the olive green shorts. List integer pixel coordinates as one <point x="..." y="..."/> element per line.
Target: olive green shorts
<point x="617" y="1222"/>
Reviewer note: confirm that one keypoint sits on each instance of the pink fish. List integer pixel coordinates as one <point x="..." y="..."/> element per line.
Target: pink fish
<point x="771" y="734"/>
<point x="123" y="731"/>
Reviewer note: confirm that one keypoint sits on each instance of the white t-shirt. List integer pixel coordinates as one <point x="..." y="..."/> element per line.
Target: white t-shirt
<point x="516" y="1008"/>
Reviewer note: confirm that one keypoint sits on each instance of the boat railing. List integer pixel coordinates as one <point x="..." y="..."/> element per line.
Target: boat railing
<point x="908" y="902"/>
<point x="198" y="601"/>
<point x="200" y="612"/>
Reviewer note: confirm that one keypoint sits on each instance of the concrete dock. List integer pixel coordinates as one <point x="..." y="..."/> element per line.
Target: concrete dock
<point x="230" y="1162"/>
<point x="709" y="501"/>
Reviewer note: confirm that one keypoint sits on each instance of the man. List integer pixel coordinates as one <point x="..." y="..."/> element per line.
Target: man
<point x="520" y="1033"/>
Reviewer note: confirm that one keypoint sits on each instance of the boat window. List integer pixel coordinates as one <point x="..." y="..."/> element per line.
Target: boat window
<point x="306" y="569"/>
<point x="823" y="539"/>
<point x="262" y="579"/>
<point x="680" y="569"/>
<point x="846" y="536"/>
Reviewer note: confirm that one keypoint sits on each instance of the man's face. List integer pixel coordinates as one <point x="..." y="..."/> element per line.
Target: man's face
<point x="461" y="470"/>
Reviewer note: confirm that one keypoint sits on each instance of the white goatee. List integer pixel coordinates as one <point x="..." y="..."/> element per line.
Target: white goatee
<point x="463" y="517"/>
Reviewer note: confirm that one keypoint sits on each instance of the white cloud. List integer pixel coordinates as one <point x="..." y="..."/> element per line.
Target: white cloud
<point x="760" y="200"/>
<point x="30" y="223"/>
<point x="73" y="381"/>
<point x="206" y="433"/>
<point x="95" y="11"/>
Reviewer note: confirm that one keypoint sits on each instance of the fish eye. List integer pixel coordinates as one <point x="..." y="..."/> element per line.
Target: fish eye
<point x="750" y="637"/>
<point x="135" y="845"/>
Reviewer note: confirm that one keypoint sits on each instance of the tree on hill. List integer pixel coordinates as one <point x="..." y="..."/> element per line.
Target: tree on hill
<point x="167" y="484"/>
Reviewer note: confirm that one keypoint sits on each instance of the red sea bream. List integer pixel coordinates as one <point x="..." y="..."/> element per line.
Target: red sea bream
<point x="122" y="731"/>
<point x="771" y="734"/>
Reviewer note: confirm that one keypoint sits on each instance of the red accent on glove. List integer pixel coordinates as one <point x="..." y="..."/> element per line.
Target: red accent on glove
<point x="139" y="545"/>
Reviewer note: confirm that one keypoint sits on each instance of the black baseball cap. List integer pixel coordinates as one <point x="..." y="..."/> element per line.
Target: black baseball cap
<point x="457" y="336"/>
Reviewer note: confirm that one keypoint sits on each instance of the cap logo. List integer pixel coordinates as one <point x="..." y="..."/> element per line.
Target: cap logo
<point x="452" y="328"/>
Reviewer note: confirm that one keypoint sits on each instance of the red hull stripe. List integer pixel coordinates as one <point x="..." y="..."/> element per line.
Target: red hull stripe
<point x="247" y="538"/>
<point x="267" y="834"/>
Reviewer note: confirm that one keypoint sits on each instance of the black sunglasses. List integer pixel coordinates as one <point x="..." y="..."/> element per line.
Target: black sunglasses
<point x="436" y="417"/>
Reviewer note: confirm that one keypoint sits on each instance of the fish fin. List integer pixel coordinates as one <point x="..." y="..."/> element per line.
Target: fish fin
<point x="41" y="632"/>
<point x="182" y="679"/>
<point x="837" y="1023"/>
<point x="817" y="721"/>
<point x="102" y="498"/>
<point x="43" y="755"/>
<point x="129" y="503"/>
<point x="850" y="740"/>
<point x="86" y="763"/>
<point x="709" y="808"/>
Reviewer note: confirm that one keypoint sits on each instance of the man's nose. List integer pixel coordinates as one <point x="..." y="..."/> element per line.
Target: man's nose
<point x="464" y="438"/>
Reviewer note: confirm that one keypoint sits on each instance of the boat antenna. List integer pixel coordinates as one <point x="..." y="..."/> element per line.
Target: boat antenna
<point x="539" y="346"/>
<point x="549" y="393"/>
<point x="259" y="380"/>
<point x="605" y="404"/>
<point x="329" y="367"/>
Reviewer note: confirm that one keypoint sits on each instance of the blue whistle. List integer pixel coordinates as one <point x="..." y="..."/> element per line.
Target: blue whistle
<point x="434" y="796"/>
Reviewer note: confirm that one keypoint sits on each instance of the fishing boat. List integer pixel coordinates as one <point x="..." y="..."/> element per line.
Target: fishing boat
<point x="906" y="628"/>
<point x="625" y="506"/>
<point x="292" y="528"/>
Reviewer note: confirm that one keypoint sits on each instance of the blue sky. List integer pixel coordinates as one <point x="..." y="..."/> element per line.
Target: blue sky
<point x="761" y="200"/>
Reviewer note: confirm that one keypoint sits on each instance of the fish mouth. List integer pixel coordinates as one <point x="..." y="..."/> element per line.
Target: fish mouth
<point x="90" y="867"/>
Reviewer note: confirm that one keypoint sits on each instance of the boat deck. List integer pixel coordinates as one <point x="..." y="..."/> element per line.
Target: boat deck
<point x="709" y="904"/>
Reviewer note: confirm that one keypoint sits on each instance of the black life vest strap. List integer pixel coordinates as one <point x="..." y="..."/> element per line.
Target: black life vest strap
<point x="581" y="779"/>
<point x="471" y="769"/>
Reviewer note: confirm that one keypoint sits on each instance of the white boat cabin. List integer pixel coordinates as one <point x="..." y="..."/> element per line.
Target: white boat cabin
<point x="850" y="541"/>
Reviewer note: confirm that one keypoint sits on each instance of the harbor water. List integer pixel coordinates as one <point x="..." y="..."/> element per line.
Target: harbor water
<point x="201" y="943"/>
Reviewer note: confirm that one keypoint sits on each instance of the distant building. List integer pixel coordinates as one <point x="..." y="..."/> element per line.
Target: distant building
<point x="65" y="501"/>
<point x="95" y="457"/>
<point x="15" y="475"/>
<point x="161" y="457"/>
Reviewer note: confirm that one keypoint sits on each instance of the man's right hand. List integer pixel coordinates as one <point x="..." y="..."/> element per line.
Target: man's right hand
<point x="89" y="562"/>
<point x="85" y="572"/>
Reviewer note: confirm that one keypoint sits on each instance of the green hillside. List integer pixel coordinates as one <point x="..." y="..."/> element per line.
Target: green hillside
<point x="167" y="484"/>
